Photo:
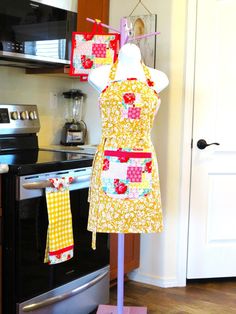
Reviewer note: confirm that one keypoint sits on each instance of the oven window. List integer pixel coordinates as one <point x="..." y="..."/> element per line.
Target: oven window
<point x="85" y="259"/>
<point x="35" y="277"/>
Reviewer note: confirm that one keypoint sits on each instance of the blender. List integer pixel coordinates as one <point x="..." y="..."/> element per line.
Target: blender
<point x="74" y="130"/>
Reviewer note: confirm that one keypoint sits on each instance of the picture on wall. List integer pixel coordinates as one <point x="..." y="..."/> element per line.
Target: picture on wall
<point x="144" y="24"/>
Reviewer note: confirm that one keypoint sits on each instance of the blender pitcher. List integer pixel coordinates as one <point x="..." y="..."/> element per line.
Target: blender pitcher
<point x="74" y="130"/>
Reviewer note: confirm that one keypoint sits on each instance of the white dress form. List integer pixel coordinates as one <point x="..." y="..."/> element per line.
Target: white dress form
<point x="129" y="65"/>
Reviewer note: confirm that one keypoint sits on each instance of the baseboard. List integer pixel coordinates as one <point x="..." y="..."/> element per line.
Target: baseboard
<point x="153" y="280"/>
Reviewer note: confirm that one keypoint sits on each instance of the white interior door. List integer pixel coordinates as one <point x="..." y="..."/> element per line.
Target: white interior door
<point x="212" y="225"/>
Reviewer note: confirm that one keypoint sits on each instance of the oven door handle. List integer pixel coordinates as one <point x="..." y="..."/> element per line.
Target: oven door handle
<point x="59" y="298"/>
<point x="82" y="178"/>
<point x="37" y="185"/>
<point x="46" y="183"/>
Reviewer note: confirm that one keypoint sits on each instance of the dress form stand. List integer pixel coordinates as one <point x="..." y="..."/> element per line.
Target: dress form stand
<point x="120" y="308"/>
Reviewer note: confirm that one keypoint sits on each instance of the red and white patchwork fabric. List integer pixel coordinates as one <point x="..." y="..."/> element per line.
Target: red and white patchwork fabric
<point x="126" y="173"/>
<point x="99" y="50"/>
<point x="60" y="242"/>
<point x="131" y="105"/>
<point x="134" y="174"/>
<point x="122" y="198"/>
<point x="134" y="113"/>
<point x="91" y="50"/>
<point x="85" y="48"/>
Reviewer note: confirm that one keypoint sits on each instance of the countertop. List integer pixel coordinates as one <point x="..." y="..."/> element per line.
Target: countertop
<point x="83" y="149"/>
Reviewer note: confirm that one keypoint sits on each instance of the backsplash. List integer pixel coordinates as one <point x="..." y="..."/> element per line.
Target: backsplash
<point x="16" y="87"/>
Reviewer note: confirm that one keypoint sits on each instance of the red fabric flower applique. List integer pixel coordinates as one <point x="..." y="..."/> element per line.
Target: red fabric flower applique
<point x="88" y="36"/>
<point x="60" y="186"/>
<point x="116" y="182"/>
<point x="121" y="188"/>
<point x="123" y="158"/>
<point x="129" y="98"/>
<point x="150" y="83"/>
<point x="112" y="44"/>
<point x="148" y="167"/>
<point x="58" y="256"/>
<point x="86" y="62"/>
<point x="106" y="164"/>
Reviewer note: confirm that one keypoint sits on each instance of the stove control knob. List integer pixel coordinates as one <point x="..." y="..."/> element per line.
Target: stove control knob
<point x="23" y="115"/>
<point x="31" y="115"/>
<point x="14" y="115"/>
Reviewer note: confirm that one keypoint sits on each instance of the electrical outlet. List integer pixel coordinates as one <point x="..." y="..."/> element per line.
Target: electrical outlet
<point x="53" y="100"/>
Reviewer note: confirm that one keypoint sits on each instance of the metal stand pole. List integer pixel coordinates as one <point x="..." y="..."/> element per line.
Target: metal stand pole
<point x="120" y="284"/>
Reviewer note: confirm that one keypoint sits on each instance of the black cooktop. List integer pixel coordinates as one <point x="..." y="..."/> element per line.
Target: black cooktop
<point x="38" y="161"/>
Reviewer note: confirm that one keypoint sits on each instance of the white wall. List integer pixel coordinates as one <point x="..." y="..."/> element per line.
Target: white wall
<point x="16" y="87"/>
<point x="91" y="111"/>
<point x="159" y="255"/>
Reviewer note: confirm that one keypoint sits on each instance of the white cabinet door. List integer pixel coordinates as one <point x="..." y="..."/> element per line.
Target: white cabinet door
<point x="212" y="225"/>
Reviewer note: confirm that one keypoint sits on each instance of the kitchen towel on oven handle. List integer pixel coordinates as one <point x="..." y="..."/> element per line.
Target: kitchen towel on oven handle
<point x="91" y="50"/>
<point x="60" y="242"/>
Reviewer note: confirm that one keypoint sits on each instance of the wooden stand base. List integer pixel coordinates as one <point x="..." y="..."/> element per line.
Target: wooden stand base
<point x="112" y="309"/>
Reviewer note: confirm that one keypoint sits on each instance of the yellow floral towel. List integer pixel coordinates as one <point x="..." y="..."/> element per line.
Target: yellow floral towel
<point x="60" y="243"/>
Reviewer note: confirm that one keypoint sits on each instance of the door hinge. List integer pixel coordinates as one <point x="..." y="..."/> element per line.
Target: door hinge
<point x="191" y="143"/>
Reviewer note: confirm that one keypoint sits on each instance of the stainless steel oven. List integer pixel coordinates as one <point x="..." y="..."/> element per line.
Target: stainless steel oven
<point x="76" y="286"/>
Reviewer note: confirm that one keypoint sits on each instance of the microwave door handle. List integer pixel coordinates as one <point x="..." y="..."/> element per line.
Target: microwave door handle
<point x="59" y="298"/>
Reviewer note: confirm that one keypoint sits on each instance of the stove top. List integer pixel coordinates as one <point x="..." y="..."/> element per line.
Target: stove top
<point x="19" y="150"/>
<point x="38" y="161"/>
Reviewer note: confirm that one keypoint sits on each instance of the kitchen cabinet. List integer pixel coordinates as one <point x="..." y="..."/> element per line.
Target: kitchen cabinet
<point x="131" y="254"/>
<point x="95" y="9"/>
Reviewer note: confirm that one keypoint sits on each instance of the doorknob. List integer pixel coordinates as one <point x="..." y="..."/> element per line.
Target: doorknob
<point x="202" y="144"/>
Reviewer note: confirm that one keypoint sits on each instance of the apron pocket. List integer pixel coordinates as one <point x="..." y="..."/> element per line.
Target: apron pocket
<point x="126" y="174"/>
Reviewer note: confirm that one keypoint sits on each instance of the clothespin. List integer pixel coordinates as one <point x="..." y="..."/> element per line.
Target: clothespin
<point x="129" y="29"/>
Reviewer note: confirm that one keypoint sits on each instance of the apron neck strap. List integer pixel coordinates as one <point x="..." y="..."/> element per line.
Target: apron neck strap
<point x="112" y="74"/>
<point x="146" y="71"/>
<point x="113" y="70"/>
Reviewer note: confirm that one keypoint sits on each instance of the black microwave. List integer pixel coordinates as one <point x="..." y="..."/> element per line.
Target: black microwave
<point x="36" y="32"/>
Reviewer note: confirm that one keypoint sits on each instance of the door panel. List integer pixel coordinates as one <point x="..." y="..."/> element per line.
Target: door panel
<point x="212" y="225"/>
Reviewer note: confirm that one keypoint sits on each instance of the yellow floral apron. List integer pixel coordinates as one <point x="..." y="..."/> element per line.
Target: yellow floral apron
<point x="125" y="193"/>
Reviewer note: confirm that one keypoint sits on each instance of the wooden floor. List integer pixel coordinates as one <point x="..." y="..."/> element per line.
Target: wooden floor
<point x="198" y="297"/>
